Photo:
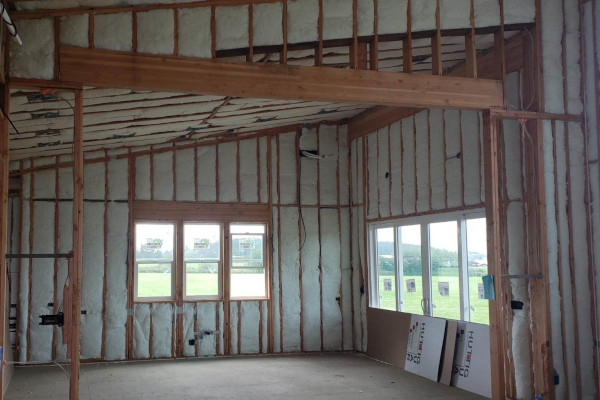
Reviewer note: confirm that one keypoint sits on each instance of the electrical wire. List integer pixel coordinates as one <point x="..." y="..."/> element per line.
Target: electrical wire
<point x="12" y="28"/>
<point x="41" y="363"/>
<point x="9" y="120"/>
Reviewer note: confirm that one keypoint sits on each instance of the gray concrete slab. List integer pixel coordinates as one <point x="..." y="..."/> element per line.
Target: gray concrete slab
<point x="345" y="376"/>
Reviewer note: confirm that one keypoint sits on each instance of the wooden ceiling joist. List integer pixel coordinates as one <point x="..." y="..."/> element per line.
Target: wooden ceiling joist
<point x="100" y="68"/>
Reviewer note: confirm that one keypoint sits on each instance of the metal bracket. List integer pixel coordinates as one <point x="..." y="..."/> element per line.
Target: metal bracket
<point x="522" y="276"/>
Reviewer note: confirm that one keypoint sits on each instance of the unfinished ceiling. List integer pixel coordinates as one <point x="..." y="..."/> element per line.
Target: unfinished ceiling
<point x="121" y="117"/>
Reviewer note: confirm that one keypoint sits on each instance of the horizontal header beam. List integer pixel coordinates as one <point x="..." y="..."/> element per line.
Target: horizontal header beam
<point x="101" y="68"/>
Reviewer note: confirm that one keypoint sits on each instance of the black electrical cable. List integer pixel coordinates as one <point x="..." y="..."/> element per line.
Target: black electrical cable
<point x="9" y="120"/>
<point x="303" y="228"/>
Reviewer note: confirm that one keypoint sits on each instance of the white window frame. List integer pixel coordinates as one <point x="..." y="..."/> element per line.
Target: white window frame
<point x="144" y="299"/>
<point x="423" y="221"/>
<point x="219" y="262"/>
<point x="264" y="264"/>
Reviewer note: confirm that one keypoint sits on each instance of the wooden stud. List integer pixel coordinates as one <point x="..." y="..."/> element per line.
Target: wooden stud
<point x="179" y="291"/>
<point x="284" y="56"/>
<point x="407" y="58"/>
<point x="271" y="312"/>
<point x="471" y="47"/>
<point x="30" y="263"/>
<point x="250" y="32"/>
<point x="320" y="236"/>
<point x="258" y="172"/>
<point x="319" y="52"/>
<point x="218" y="327"/>
<point x="260" y="327"/>
<point x="75" y="280"/>
<point x="134" y="32"/>
<point x="174" y="168"/>
<point x="279" y="243"/>
<point x="213" y="32"/>
<point x="300" y="222"/>
<point x="217" y="172"/>
<point x="56" y="247"/>
<point x="436" y="44"/>
<point x="91" y="30"/>
<point x="377" y="174"/>
<point x="237" y="171"/>
<point x="339" y="218"/>
<point x="151" y="173"/>
<point x="354" y="47"/>
<point x="175" y="32"/>
<point x="196" y="173"/>
<point x="414" y="159"/>
<point x="445" y="155"/>
<point x="374" y="45"/>
<point x="56" y="22"/>
<point x="105" y="258"/>
<point x="239" y="327"/>
<point x="226" y="240"/>
<point x="351" y="238"/>
<point x="429" y="194"/>
<point x="130" y="256"/>
<point x="4" y="177"/>
<point x="462" y="158"/>
<point x="389" y="157"/>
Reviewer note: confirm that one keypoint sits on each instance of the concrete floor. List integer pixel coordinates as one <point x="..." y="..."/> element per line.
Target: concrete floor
<point x="318" y="376"/>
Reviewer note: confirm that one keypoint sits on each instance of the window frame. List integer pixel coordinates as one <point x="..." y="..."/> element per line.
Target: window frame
<point x="264" y="260"/>
<point x="424" y="221"/>
<point x="136" y="263"/>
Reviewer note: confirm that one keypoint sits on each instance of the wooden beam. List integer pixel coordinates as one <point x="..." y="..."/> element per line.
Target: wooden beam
<point x="101" y="68"/>
<point x="375" y="118"/>
<point x="75" y="279"/>
<point x="4" y="167"/>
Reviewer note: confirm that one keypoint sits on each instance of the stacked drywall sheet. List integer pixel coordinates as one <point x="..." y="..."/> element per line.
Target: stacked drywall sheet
<point x="155" y="29"/>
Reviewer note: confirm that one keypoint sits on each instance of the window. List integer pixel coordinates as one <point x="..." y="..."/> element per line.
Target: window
<point x="154" y="256"/>
<point x="188" y="257"/>
<point x="247" y="261"/>
<point x="438" y="262"/>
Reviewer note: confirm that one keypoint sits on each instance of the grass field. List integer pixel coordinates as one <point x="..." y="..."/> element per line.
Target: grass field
<point x="156" y="284"/>
<point x="445" y="307"/>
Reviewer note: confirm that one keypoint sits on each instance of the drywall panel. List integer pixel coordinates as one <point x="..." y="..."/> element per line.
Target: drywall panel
<point x="290" y="295"/>
<point x="331" y="279"/>
<point x="422" y="160"/>
<point x="396" y="167"/>
<point x="302" y="21"/>
<point x="35" y="58"/>
<point x="142" y="178"/>
<point x="308" y="168"/>
<point x="116" y="280"/>
<point x="267" y="24"/>
<point x="92" y="280"/>
<point x="391" y="16"/>
<point x="155" y="32"/>
<point x="194" y="38"/>
<point x="471" y="157"/>
<point x="372" y="182"/>
<point x="287" y="168"/>
<point x="162" y="330"/>
<point x="232" y="27"/>
<point x="311" y="292"/>
<point x="227" y="171"/>
<point x="409" y="173"/>
<point x="207" y="184"/>
<point x="74" y="30"/>
<point x="453" y="162"/>
<point x="383" y="171"/>
<point x="250" y="326"/>
<point x="248" y="171"/>
<point x="162" y="176"/>
<point x="337" y="19"/>
<point x="437" y="159"/>
<point x="184" y="174"/>
<point x="388" y="334"/>
<point x="113" y="31"/>
<point x="141" y="331"/>
<point x="328" y="165"/>
<point x="42" y="281"/>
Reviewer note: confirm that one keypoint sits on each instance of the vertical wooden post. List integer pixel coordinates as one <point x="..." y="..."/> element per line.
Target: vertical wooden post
<point x="75" y="279"/>
<point x="470" y="47"/>
<point x="4" y="101"/>
<point x="436" y="44"/>
<point x="494" y="249"/>
<point x="407" y="53"/>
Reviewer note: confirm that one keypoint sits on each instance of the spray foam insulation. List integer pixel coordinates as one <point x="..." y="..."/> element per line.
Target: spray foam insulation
<point x="365" y="11"/>
<point x="302" y="21"/>
<point x="391" y="16"/>
<point x="163" y="176"/>
<point x="287" y="165"/>
<point x="207" y="189"/>
<point x="227" y="171"/>
<point x="372" y="188"/>
<point x="194" y="37"/>
<point x="42" y="280"/>
<point x="289" y="279"/>
<point x="35" y="58"/>
<point x="142" y="178"/>
<point x="116" y="278"/>
<point x="267" y="24"/>
<point x="308" y="168"/>
<point x="92" y="280"/>
<point x="155" y="31"/>
<point x="162" y="329"/>
<point x="346" y="283"/>
<point x="471" y="156"/>
<point x="383" y="172"/>
<point x="74" y="30"/>
<point x="422" y="160"/>
<point x="337" y="19"/>
<point x="184" y="174"/>
<point x="141" y="330"/>
<point x="408" y="166"/>
<point x="248" y="168"/>
<point x="311" y="315"/>
<point x="113" y="31"/>
<point x="331" y="278"/>
<point x="250" y="322"/>
<point x="455" y="14"/>
<point x="328" y="164"/>
<point x="232" y="27"/>
<point x="437" y="156"/>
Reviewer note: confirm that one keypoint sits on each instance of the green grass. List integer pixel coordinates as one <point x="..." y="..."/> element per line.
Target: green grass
<point x="445" y="307"/>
